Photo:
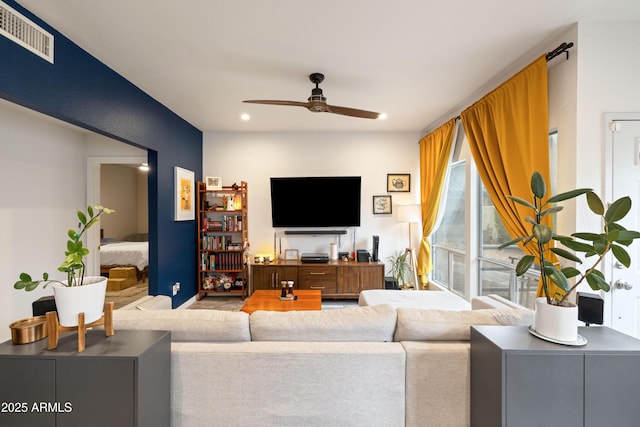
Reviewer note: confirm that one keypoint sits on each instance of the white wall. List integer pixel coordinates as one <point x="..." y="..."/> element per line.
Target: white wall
<point x="43" y="176"/>
<point x="600" y="77"/>
<point x="124" y="189"/>
<point x="255" y="157"/>
<point x="608" y="65"/>
<point x="563" y="88"/>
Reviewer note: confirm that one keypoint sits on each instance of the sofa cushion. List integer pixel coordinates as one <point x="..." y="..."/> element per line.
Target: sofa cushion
<point x="375" y="323"/>
<point x="440" y="300"/>
<point x="442" y="325"/>
<point x="486" y="302"/>
<point x="188" y="325"/>
<point x="493" y="301"/>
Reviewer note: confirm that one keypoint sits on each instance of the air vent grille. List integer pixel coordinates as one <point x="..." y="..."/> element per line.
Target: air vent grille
<point x="21" y="30"/>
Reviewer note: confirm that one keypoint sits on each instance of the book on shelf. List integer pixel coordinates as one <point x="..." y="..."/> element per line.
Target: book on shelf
<point x="225" y="223"/>
<point x="221" y="261"/>
<point x="220" y="243"/>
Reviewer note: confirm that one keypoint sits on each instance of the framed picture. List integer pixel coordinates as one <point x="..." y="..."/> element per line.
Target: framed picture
<point x="381" y="204"/>
<point x="291" y="254"/>
<point x="184" y="194"/>
<point x="213" y="183"/>
<point x="398" y="183"/>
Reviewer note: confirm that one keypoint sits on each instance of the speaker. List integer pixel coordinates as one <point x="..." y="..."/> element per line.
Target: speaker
<point x="590" y="308"/>
<point x="376" y="244"/>
<point x="43" y="305"/>
<point x="390" y="283"/>
<point x="362" y="255"/>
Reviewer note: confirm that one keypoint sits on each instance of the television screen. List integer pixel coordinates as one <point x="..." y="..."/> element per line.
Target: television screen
<point x="315" y="201"/>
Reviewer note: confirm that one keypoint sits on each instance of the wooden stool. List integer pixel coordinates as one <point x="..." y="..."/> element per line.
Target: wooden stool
<point x="54" y="328"/>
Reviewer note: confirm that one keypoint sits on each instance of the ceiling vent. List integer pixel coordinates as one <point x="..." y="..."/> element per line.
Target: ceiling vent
<point x="21" y="30"/>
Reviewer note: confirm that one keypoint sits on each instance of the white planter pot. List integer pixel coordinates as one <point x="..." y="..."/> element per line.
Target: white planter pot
<point x="87" y="299"/>
<point x="556" y="322"/>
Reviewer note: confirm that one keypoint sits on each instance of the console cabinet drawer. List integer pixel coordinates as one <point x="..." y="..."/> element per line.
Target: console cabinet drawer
<point x="336" y="279"/>
<point x="318" y="277"/>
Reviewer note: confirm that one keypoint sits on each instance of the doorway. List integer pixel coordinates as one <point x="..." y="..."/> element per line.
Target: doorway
<point x="117" y="183"/>
<point x="623" y="176"/>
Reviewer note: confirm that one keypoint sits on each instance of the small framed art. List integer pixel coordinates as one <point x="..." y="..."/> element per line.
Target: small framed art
<point x="291" y="254"/>
<point x="381" y="205"/>
<point x="213" y="183"/>
<point x="184" y="195"/>
<point x="398" y="182"/>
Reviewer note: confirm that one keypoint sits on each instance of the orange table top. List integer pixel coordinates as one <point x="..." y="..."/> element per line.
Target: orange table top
<point x="270" y="300"/>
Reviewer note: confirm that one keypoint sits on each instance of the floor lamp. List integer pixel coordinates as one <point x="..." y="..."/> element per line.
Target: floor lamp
<point x="411" y="214"/>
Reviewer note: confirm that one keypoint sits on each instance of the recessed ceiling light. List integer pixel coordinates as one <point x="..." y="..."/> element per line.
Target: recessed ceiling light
<point x="382" y="116"/>
<point x="245" y="117"/>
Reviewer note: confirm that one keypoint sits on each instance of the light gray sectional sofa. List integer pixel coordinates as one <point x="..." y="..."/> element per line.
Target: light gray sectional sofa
<point x="359" y="366"/>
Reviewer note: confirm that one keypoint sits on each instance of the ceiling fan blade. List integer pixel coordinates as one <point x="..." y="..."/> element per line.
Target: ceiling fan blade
<point x="354" y="112"/>
<point x="275" y="102"/>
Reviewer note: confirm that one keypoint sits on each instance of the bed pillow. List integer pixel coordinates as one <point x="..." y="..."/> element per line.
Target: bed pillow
<point x="107" y="240"/>
<point x="137" y="237"/>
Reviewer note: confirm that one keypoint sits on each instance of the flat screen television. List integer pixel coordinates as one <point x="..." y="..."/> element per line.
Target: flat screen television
<point x="328" y="201"/>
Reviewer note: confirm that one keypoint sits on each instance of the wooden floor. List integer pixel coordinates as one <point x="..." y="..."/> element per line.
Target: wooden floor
<point x="128" y="295"/>
<point x="225" y="303"/>
<point x="235" y="303"/>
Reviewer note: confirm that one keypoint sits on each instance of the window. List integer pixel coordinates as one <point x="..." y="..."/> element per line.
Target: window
<point x="449" y="240"/>
<point x="494" y="268"/>
<point x="497" y="266"/>
<point x="497" y="273"/>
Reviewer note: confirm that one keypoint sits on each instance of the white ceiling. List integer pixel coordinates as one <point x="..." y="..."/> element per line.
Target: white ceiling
<point x="416" y="60"/>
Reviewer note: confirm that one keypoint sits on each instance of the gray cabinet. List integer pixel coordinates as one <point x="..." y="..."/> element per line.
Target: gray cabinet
<point x="122" y="380"/>
<point x="520" y="380"/>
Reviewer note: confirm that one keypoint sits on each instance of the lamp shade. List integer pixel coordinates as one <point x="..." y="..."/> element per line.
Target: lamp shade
<point x="409" y="213"/>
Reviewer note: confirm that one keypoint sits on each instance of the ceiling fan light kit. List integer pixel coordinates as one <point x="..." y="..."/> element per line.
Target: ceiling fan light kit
<point x="317" y="103"/>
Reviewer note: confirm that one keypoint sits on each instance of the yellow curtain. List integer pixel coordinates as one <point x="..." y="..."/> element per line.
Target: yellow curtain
<point x="508" y="138"/>
<point x="435" y="151"/>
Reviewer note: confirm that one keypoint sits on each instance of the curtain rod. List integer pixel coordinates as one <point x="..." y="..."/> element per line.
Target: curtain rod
<point x="563" y="48"/>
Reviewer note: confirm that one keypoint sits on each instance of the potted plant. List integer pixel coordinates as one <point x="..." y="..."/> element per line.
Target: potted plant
<point x="78" y="293"/>
<point x="613" y="238"/>
<point x="400" y="268"/>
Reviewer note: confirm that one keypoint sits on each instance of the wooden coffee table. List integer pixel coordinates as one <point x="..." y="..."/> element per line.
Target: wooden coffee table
<point x="270" y="300"/>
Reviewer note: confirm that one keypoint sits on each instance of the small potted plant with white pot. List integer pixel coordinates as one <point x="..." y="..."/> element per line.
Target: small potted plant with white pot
<point x="79" y="293"/>
<point x="613" y="238"/>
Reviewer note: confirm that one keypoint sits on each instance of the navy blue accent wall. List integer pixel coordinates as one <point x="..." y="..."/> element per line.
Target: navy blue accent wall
<point x="81" y="90"/>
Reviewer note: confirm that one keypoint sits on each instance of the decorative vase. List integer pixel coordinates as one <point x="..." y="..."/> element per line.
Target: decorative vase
<point x="87" y="299"/>
<point x="558" y="323"/>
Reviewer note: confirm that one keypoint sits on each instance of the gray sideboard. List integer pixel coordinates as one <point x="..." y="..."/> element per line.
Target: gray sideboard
<point x="122" y="380"/>
<point x="518" y="380"/>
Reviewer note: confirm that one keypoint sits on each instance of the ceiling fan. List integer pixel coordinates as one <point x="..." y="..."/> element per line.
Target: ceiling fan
<point x="317" y="103"/>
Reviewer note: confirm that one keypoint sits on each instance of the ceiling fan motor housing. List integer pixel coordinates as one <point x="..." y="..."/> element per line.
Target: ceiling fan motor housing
<point x="317" y="101"/>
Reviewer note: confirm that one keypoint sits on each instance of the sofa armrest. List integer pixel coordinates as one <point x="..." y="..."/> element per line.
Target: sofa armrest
<point x="438" y="383"/>
<point x="288" y="384"/>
